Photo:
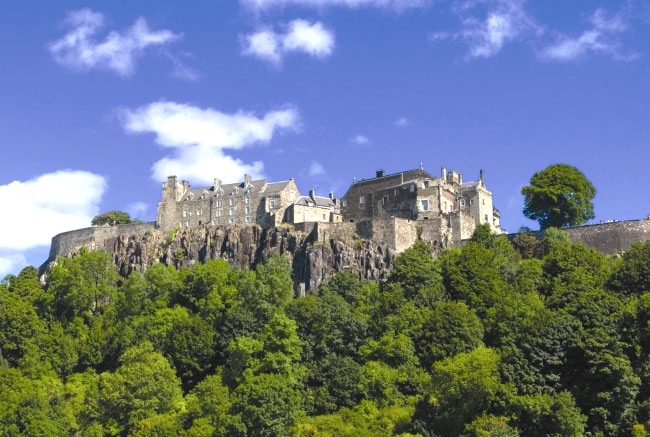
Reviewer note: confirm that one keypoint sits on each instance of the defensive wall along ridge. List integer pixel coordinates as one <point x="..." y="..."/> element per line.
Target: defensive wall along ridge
<point x="93" y="238"/>
<point x="394" y="235"/>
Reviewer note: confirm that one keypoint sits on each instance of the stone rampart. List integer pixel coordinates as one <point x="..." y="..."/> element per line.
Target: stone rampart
<point x="611" y="237"/>
<point x="93" y="238"/>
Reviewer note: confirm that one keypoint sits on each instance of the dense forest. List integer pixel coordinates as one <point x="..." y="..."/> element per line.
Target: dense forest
<point x="538" y="337"/>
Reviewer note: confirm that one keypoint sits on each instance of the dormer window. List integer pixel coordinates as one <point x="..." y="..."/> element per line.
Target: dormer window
<point x="232" y="201"/>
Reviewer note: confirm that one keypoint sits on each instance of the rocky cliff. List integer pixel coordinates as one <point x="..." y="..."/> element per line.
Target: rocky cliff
<point x="314" y="254"/>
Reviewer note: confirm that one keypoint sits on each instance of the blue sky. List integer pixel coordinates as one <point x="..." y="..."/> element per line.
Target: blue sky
<point x="100" y="101"/>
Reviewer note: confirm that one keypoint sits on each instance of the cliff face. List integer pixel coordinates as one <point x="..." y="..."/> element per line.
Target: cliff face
<point x="314" y="255"/>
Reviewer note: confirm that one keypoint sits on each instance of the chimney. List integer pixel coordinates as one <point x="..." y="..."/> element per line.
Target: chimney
<point x="482" y="177"/>
<point x="332" y="195"/>
<point x="312" y="193"/>
<point x="380" y="173"/>
<point x="443" y="174"/>
<point x="217" y="184"/>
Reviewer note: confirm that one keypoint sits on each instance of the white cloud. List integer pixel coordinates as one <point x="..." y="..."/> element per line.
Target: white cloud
<point x="601" y="38"/>
<point x="43" y="207"/>
<point x="301" y="36"/>
<point x="199" y="137"/>
<point x="398" y="5"/>
<point x="402" y="122"/>
<point x="137" y="210"/>
<point x="316" y="169"/>
<point x="505" y="21"/>
<point x="118" y="52"/>
<point x="488" y="25"/>
<point x="360" y="139"/>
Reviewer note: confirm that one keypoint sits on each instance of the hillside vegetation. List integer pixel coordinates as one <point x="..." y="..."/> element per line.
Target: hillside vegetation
<point x="547" y="338"/>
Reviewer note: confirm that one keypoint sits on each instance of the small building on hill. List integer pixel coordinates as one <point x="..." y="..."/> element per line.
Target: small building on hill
<point x="314" y="208"/>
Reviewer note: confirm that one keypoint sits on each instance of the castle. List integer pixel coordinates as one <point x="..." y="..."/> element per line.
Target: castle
<point x="376" y="219"/>
<point x="442" y="210"/>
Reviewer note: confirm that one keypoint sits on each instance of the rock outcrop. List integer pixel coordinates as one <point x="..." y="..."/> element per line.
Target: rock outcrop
<point x="313" y="256"/>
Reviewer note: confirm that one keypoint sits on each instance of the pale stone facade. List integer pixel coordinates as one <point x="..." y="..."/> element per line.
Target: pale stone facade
<point x="446" y="209"/>
<point x="249" y="202"/>
<point x="314" y="208"/>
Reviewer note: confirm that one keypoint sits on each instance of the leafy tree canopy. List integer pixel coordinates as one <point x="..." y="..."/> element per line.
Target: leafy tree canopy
<point x="111" y="218"/>
<point x="559" y="196"/>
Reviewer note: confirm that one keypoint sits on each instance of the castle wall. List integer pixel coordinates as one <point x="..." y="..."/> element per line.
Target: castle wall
<point x="365" y="198"/>
<point x="94" y="238"/>
<point x="613" y="237"/>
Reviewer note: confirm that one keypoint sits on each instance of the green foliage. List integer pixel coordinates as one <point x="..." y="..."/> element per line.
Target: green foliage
<point x="481" y="341"/>
<point x="111" y="218"/>
<point x="559" y="196"/>
<point x="632" y="277"/>
<point x="415" y="271"/>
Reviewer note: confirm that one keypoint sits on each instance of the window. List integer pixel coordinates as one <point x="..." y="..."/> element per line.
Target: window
<point x="231" y="211"/>
<point x="247" y="200"/>
<point x="344" y="203"/>
<point x="231" y="220"/>
<point x="362" y="200"/>
<point x="212" y="222"/>
<point x="232" y="201"/>
<point x="385" y="200"/>
<point x="184" y="213"/>
<point x="248" y="210"/>
<point x="291" y="195"/>
<point x="396" y="192"/>
<point x="219" y="203"/>
<point x="425" y="205"/>
<point x="324" y="217"/>
<point x="426" y="184"/>
<point x="272" y="203"/>
<point x="198" y="212"/>
<point x="219" y="213"/>
<point x="247" y="219"/>
<point x="462" y="202"/>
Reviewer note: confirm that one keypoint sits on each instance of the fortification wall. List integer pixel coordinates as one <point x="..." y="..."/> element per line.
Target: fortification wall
<point x="613" y="237"/>
<point x="93" y="238"/>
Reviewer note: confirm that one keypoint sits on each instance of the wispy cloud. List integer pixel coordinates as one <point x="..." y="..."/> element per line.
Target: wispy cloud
<point x="398" y="5"/>
<point x="505" y="21"/>
<point x="359" y="140"/>
<point x="118" y="52"/>
<point x="137" y="210"/>
<point x="601" y="38"/>
<point x="402" y="122"/>
<point x="46" y="205"/>
<point x="488" y="25"/>
<point x="301" y="36"/>
<point x="199" y="138"/>
<point x="316" y="169"/>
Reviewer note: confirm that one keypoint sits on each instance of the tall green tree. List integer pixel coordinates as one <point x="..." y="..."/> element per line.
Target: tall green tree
<point x="559" y="196"/>
<point x="111" y="218"/>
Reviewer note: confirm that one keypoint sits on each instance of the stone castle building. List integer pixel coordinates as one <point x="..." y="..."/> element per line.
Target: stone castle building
<point x="398" y="207"/>
<point x="251" y="202"/>
<point x="445" y="207"/>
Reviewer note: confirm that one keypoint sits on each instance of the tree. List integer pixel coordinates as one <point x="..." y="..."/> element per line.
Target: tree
<point x="111" y="218"/>
<point x="559" y="196"/>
